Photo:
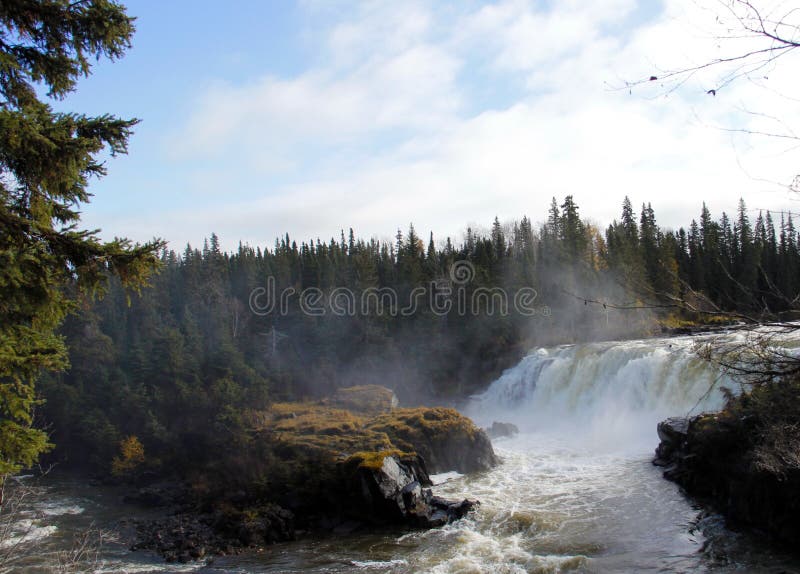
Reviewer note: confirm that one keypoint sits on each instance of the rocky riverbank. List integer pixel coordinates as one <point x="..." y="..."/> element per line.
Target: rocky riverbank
<point x="338" y="464"/>
<point x="191" y="535"/>
<point x="739" y="463"/>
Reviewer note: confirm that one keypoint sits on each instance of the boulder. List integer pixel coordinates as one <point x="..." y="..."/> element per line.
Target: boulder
<point x="393" y="490"/>
<point x="446" y="439"/>
<point x="672" y="433"/>
<point x="500" y="430"/>
<point x="189" y="536"/>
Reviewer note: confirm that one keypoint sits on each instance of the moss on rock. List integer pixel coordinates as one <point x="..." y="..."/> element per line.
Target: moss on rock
<point x="373" y="460"/>
<point x="445" y="438"/>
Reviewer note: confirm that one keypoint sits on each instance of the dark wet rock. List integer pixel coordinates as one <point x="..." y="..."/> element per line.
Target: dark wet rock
<point x="501" y="430"/>
<point x="717" y="459"/>
<point x="394" y="490"/>
<point x="672" y="434"/>
<point x="347" y="527"/>
<point x="187" y="537"/>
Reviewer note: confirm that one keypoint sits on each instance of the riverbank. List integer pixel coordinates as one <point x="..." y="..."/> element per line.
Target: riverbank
<point x="552" y="506"/>
<point x="576" y="489"/>
<point x="743" y="461"/>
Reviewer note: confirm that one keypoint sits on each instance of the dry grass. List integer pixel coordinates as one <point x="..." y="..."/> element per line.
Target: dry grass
<point x="339" y="434"/>
<point x="407" y="427"/>
<point x="374" y="460"/>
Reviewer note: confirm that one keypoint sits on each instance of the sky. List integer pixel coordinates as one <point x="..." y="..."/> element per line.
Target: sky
<point x="308" y="118"/>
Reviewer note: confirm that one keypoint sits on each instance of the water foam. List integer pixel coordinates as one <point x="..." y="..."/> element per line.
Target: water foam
<point x="606" y="395"/>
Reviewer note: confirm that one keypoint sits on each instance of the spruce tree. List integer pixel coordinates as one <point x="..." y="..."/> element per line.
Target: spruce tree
<point x="498" y="239"/>
<point x="46" y="161"/>
<point x="649" y="243"/>
<point x="572" y="229"/>
<point x="629" y="222"/>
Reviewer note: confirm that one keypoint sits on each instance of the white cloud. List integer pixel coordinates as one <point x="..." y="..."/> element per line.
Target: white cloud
<point x="384" y="131"/>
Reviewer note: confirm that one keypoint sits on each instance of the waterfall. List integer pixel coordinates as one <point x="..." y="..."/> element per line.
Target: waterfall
<point x="612" y="394"/>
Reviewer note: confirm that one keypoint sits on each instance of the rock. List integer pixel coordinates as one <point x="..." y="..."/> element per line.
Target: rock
<point x="335" y="468"/>
<point x="347" y="527"/>
<point x="672" y="434"/>
<point x="500" y="430"/>
<point x="192" y="536"/>
<point x="446" y="439"/>
<point x="673" y="429"/>
<point x="393" y="491"/>
<point x="716" y="460"/>
<point x="453" y="509"/>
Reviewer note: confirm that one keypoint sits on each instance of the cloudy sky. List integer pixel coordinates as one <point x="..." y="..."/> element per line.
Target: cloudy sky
<point x="261" y="118"/>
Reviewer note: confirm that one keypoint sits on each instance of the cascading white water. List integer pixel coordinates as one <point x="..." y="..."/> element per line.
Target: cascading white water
<point x="576" y="491"/>
<point x="611" y="394"/>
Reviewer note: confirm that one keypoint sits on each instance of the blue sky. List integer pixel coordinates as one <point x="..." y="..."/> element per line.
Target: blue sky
<point x="260" y="118"/>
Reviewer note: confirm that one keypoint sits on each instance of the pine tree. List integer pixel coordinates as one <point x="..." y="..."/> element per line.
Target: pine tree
<point x="498" y="239"/>
<point x="696" y="257"/>
<point x="623" y="246"/>
<point x="769" y="257"/>
<point x="649" y="242"/>
<point x="572" y="230"/>
<point x="46" y="161"/>
<point x="747" y="260"/>
<point x="431" y="256"/>
<point x="552" y="229"/>
<point x="629" y="222"/>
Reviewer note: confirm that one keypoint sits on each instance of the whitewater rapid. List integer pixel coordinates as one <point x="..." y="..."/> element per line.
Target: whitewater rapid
<point x="576" y="491"/>
<point x="607" y="396"/>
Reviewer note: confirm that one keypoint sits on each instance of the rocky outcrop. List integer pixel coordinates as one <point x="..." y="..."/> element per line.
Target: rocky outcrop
<point x="190" y="536"/>
<point x="672" y="435"/>
<point x="392" y="488"/>
<point x="501" y="430"/>
<point x="334" y="468"/>
<point x="446" y="439"/>
<point x="719" y="459"/>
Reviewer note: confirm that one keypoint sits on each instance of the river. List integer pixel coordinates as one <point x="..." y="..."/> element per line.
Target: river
<point x="576" y="491"/>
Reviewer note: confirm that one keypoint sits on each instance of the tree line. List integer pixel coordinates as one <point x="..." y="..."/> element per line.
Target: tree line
<point x="180" y="365"/>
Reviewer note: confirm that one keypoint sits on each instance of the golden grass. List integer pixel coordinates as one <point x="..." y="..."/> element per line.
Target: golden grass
<point x="373" y="460"/>
<point x="414" y="425"/>
<point x="340" y="434"/>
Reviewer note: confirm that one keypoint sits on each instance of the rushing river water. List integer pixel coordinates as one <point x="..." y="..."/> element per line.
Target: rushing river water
<point x="576" y="491"/>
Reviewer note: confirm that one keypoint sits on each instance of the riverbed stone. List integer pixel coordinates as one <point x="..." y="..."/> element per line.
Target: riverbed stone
<point x="393" y="492"/>
<point x="501" y="430"/>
